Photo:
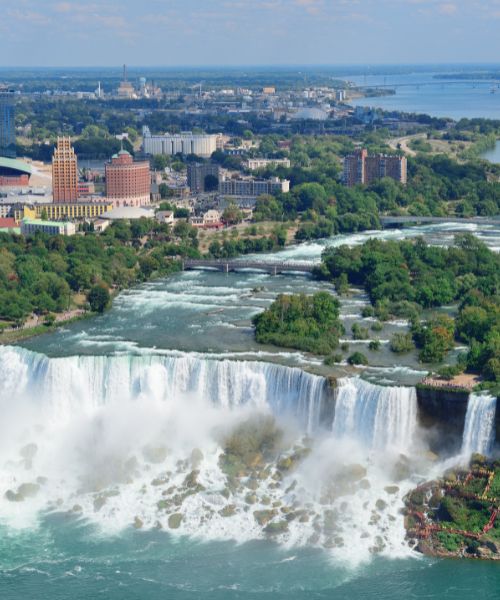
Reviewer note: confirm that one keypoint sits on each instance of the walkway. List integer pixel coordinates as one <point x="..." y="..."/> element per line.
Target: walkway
<point x="271" y="267"/>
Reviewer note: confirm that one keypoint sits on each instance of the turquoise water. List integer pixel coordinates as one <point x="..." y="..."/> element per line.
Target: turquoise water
<point x="424" y="94"/>
<point x="67" y="560"/>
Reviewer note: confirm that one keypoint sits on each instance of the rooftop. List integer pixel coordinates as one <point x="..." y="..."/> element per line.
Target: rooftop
<point x="17" y="165"/>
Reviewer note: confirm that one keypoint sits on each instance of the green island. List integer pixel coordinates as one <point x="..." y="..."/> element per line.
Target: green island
<point x="403" y="280"/>
<point x="457" y="515"/>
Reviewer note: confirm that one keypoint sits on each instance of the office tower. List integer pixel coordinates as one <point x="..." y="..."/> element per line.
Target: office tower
<point x="7" y="127"/>
<point x="64" y="172"/>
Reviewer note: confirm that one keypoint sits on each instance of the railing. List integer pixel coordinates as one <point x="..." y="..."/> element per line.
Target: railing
<point x="273" y="267"/>
<point x="416" y="219"/>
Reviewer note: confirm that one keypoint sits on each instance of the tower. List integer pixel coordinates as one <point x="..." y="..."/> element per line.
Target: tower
<point x="7" y="127"/>
<point x="64" y="172"/>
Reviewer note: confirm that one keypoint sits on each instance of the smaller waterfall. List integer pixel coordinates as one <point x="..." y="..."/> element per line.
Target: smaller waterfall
<point x="379" y="417"/>
<point x="479" y="430"/>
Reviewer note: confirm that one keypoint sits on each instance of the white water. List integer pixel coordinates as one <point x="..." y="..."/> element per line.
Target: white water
<point x="110" y="439"/>
<point x="379" y="417"/>
<point x="479" y="430"/>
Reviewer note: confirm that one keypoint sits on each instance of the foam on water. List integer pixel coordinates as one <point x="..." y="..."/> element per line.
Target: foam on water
<point x="111" y="438"/>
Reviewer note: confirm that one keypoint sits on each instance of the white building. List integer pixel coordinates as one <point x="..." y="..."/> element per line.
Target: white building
<point x="253" y="164"/>
<point x="252" y="188"/>
<point x="184" y="143"/>
<point x="30" y="226"/>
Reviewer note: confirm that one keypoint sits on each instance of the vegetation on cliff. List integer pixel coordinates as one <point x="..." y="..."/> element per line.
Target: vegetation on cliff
<point x="458" y="514"/>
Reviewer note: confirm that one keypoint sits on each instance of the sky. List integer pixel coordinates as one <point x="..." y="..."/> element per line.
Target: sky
<point x="247" y="32"/>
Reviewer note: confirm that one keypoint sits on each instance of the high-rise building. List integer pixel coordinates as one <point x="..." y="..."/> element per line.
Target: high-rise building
<point x="361" y="168"/>
<point x="64" y="172"/>
<point x="128" y="182"/>
<point x="197" y="177"/>
<point x="7" y="127"/>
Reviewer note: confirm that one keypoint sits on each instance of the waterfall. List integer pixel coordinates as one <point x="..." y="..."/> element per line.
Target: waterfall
<point x="63" y="386"/>
<point x="378" y="417"/>
<point x="479" y="430"/>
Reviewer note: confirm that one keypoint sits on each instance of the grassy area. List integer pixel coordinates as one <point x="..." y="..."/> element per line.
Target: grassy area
<point x="18" y="335"/>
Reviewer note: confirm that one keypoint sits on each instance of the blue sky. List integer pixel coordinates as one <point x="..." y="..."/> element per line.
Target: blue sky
<point x="247" y="32"/>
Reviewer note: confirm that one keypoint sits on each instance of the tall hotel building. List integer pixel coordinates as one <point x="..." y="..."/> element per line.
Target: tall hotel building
<point x="128" y="183"/>
<point x="64" y="172"/>
<point x="360" y="168"/>
<point x="7" y="129"/>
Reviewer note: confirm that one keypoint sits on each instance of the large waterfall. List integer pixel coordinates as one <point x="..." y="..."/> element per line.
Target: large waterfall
<point x="379" y="417"/>
<point x="64" y="386"/>
<point x="479" y="430"/>
<point x="144" y="439"/>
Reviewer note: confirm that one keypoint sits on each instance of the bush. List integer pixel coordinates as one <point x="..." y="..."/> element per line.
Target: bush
<point x="402" y="343"/>
<point x="374" y="345"/>
<point x="358" y="358"/>
<point x="359" y="333"/>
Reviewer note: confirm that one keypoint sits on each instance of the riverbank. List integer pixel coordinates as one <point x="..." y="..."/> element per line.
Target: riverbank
<point x="35" y="329"/>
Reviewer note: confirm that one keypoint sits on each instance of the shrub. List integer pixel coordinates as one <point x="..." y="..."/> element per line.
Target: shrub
<point x="358" y="358"/>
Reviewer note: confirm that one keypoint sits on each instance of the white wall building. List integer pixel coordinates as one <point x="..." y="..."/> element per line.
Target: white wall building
<point x="29" y="226"/>
<point x="184" y="143"/>
<point x="253" y="164"/>
<point x="252" y="188"/>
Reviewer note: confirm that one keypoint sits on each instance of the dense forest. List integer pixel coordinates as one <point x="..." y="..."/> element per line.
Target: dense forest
<point x="43" y="274"/>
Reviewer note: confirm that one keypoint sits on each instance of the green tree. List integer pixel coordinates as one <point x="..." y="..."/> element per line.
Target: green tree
<point x="98" y="298"/>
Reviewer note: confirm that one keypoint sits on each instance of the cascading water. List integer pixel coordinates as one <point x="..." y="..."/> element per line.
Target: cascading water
<point x="379" y="417"/>
<point x="140" y="439"/>
<point x="65" y="386"/>
<point x="479" y="429"/>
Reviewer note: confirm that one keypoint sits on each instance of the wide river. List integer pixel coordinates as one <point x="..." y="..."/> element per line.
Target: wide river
<point x="114" y="410"/>
<point x="425" y="93"/>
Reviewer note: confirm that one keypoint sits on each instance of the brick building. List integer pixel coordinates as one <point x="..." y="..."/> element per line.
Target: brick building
<point x="128" y="182"/>
<point x="361" y="168"/>
<point x="64" y="172"/>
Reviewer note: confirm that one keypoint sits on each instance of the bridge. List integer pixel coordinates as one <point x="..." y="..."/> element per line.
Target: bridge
<point x="271" y="267"/>
<point x="417" y="84"/>
<point x="404" y="220"/>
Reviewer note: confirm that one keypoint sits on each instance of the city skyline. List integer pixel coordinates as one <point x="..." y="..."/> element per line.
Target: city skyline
<point x="289" y="32"/>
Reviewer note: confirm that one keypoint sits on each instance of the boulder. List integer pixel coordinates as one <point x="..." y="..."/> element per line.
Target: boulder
<point x="264" y="516"/>
<point x="138" y="523"/>
<point x="175" y="520"/>
<point x="228" y="511"/>
<point x="28" y="490"/>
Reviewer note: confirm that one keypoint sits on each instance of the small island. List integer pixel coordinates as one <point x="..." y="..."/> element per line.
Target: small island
<point x="457" y="516"/>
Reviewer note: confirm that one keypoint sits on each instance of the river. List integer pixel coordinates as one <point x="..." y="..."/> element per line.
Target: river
<point x="423" y="93"/>
<point x="110" y="447"/>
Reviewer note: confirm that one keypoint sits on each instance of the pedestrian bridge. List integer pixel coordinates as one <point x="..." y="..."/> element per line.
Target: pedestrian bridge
<point x="271" y="267"/>
<point x="403" y="220"/>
